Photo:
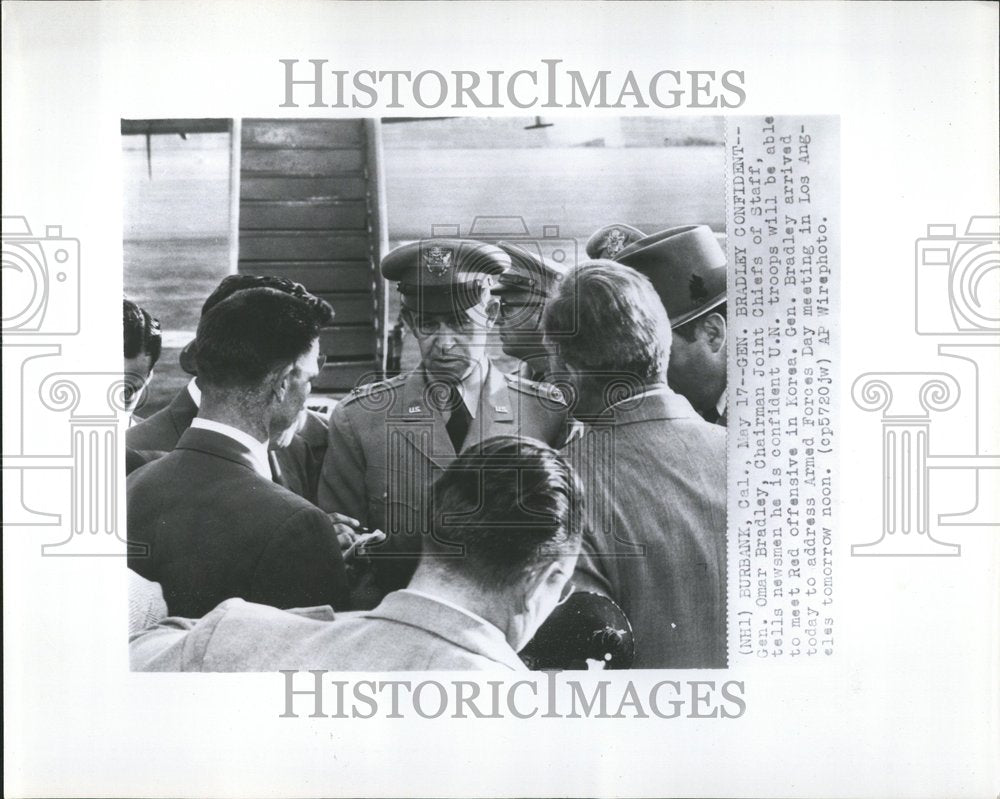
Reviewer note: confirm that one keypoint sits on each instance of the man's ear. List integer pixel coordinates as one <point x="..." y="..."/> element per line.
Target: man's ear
<point x="549" y="574"/>
<point x="714" y="327"/>
<point x="281" y="381"/>
<point x="492" y="310"/>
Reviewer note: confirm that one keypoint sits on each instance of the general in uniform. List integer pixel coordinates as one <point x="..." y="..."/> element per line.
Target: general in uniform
<point x="390" y="440"/>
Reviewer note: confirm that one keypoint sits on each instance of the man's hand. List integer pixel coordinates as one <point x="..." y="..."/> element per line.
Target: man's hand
<point x="348" y="529"/>
<point x="357" y="549"/>
<point x="352" y="537"/>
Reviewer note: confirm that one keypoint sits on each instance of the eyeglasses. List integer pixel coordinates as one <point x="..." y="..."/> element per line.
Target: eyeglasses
<point x="511" y="311"/>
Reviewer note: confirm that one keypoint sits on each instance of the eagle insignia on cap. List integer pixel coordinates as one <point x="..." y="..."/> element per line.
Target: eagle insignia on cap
<point x="437" y="260"/>
<point x="613" y="243"/>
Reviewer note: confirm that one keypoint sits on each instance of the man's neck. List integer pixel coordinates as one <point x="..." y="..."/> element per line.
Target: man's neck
<point x="714" y="390"/>
<point x="628" y="392"/>
<point x="475" y="373"/>
<point x="225" y="414"/>
<point x="536" y="367"/>
<point x="455" y="593"/>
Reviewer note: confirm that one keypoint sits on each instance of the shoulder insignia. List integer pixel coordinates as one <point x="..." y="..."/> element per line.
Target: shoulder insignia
<point x="545" y="391"/>
<point x="368" y="389"/>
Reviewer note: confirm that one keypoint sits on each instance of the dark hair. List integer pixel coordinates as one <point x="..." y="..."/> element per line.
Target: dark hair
<point x="248" y="335"/>
<point x="606" y="318"/>
<point x="511" y="504"/>
<point x="233" y="283"/>
<point x="142" y="332"/>
<point x="688" y="330"/>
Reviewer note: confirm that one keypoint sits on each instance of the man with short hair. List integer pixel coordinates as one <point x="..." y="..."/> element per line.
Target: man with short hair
<point x="687" y="267"/>
<point x="294" y="455"/>
<point x="390" y="439"/>
<point x="143" y="343"/>
<point x="509" y="506"/>
<point x="654" y="471"/>
<point x="213" y="522"/>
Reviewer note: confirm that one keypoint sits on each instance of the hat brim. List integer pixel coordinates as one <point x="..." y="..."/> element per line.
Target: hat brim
<point x="442" y="299"/>
<point x="701" y="310"/>
<point x="188" y="358"/>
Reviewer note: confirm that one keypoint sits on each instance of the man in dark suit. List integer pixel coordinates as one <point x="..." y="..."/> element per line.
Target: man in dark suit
<point x="214" y="523"/>
<point x="687" y="268"/>
<point x="509" y="503"/>
<point x="295" y="455"/>
<point x="653" y="469"/>
<point x="390" y="440"/>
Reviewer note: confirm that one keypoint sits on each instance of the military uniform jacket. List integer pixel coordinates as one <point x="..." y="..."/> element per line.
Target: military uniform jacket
<point x="212" y="528"/>
<point x="654" y="476"/>
<point x="388" y="443"/>
<point x="296" y="466"/>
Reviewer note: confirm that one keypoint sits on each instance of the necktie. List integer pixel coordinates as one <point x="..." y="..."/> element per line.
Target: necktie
<point x="458" y="422"/>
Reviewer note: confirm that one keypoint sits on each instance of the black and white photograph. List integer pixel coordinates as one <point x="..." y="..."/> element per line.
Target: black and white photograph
<point x="508" y="399"/>
<point x="483" y="428"/>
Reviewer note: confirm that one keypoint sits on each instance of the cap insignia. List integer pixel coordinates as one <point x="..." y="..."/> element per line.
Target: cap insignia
<point x="437" y="260"/>
<point x="613" y="243"/>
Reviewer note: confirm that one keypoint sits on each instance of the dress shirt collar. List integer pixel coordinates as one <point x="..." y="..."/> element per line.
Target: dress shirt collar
<point x="194" y="391"/>
<point x="258" y="449"/>
<point x="720" y="406"/>
<point x="471" y="387"/>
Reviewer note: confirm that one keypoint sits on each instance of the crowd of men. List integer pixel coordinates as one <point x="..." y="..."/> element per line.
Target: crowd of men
<point x="436" y="518"/>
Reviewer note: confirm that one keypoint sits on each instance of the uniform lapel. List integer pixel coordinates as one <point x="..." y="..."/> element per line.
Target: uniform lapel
<point x="416" y="411"/>
<point x="496" y="414"/>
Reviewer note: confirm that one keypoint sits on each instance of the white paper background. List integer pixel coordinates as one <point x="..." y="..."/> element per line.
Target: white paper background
<point x="908" y="707"/>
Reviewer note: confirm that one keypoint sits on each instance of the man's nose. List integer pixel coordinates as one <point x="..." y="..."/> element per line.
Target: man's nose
<point x="444" y="338"/>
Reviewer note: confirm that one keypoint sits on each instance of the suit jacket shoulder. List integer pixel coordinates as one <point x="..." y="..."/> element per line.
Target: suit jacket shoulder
<point x="216" y="529"/>
<point x="162" y="430"/>
<point x="406" y="632"/>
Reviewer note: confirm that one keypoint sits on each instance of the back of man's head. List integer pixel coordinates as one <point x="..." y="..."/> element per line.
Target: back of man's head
<point x="233" y="283"/>
<point x="513" y="505"/>
<point x="142" y="333"/>
<point x="606" y="319"/>
<point x="253" y="333"/>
